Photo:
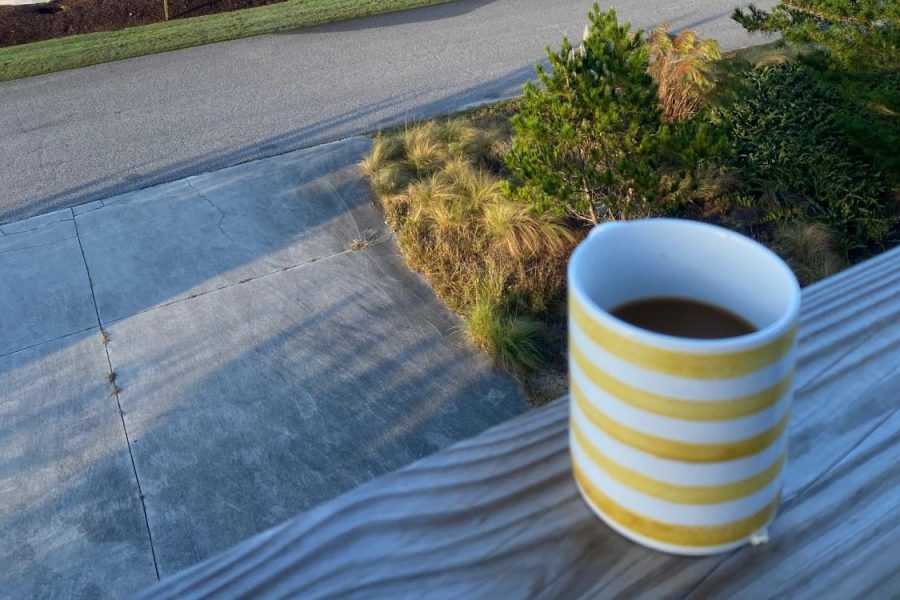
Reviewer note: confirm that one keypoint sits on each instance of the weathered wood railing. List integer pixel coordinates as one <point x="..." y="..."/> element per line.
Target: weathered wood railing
<point x="498" y="515"/>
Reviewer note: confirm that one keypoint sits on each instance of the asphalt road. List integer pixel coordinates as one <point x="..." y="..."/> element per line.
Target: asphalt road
<point x="76" y="136"/>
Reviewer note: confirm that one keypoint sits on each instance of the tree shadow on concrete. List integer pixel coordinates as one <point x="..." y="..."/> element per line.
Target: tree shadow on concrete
<point x="291" y="424"/>
<point x="328" y="393"/>
<point x="313" y="407"/>
<point x="371" y="117"/>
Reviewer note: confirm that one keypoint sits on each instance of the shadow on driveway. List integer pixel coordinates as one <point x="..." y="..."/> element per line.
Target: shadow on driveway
<point x="505" y="86"/>
<point x="263" y="368"/>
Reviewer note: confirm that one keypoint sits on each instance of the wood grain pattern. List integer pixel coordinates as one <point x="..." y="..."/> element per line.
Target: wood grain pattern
<point x="498" y="515"/>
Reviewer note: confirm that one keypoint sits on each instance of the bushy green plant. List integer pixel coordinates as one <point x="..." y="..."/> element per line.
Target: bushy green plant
<point x="862" y="34"/>
<point x="855" y="48"/>
<point x="788" y="146"/>
<point x="871" y="117"/>
<point x="584" y="140"/>
<point x="591" y="140"/>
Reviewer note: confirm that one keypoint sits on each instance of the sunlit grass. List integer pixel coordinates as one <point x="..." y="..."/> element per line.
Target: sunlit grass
<point x="92" y="48"/>
<point x="492" y="259"/>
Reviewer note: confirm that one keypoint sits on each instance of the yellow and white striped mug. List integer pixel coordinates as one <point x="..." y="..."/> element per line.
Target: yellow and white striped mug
<point x="679" y="444"/>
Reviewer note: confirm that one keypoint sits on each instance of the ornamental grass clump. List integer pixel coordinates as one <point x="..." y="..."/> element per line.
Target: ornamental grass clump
<point x="494" y="260"/>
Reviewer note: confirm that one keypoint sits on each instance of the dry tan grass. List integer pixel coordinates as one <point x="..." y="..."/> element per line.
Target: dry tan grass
<point x="774" y="53"/>
<point x="492" y="259"/>
<point x="475" y="185"/>
<point x="810" y="250"/>
<point x="424" y="149"/>
<point x="360" y="244"/>
<point x="385" y="150"/>
<point x="682" y="66"/>
<point x="522" y="234"/>
<point x="391" y="178"/>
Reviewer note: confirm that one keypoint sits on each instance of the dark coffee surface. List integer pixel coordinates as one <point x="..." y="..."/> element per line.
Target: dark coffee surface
<point x="683" y="318"/>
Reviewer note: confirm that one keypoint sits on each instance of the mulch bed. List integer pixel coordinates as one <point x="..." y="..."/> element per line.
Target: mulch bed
<point x="35" y="22"/>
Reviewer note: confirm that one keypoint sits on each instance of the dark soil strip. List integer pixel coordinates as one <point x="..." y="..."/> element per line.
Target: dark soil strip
<point x="35" y="22"/>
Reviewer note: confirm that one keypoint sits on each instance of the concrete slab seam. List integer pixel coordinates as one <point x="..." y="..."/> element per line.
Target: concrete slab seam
<point x="373" y="241"/>
<point x="42" y="342"/>
<point x="35" y="247"/>
<point x="115" y="392"/>
<point x="12" y="233"/>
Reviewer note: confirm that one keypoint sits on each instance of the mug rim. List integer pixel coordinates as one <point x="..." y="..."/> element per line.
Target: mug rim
<point x="762" y="336"/>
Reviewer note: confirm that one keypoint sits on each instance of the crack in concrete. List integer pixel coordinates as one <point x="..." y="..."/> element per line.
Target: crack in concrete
<point x="217" y="208"/>
<point x="84" y="212"/>
<point x="34" y="247"/>
<point x="12" y="233"/>
<point x="242" y="281"/>
<point x="116" y="392"/>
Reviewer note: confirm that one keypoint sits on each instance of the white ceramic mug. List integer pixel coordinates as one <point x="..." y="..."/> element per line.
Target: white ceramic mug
<point x="679" y="444"/>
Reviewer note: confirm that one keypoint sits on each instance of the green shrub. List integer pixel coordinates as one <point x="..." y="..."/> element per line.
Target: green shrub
<point x="591" y="142"/>
<point x="860" y="35"/>
<point x="871" y="113"/>
<point x="789" y="148"/>
<point x="584" y="141"/>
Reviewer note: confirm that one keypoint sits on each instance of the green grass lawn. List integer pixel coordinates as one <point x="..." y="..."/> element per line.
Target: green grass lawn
<point x="92" y="48"/>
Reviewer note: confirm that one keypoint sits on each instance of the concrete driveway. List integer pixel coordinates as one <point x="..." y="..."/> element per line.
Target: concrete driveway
<point x="184" y="366"/>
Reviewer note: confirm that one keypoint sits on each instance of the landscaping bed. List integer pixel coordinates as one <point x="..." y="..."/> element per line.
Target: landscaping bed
<point x="777" y="142"/>
<point x="36" y="22"/>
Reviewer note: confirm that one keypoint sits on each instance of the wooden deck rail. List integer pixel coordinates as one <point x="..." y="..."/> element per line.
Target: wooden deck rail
<point x="498" y="516"/>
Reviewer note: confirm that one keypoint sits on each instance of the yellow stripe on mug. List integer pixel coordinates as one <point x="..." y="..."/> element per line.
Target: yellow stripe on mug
<point x="681" y="364"/>
<point x="669" y="533"/>
<point x="672" y="449"/>
<point x="689" y="410"/>
<point x="681" y="494"/>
